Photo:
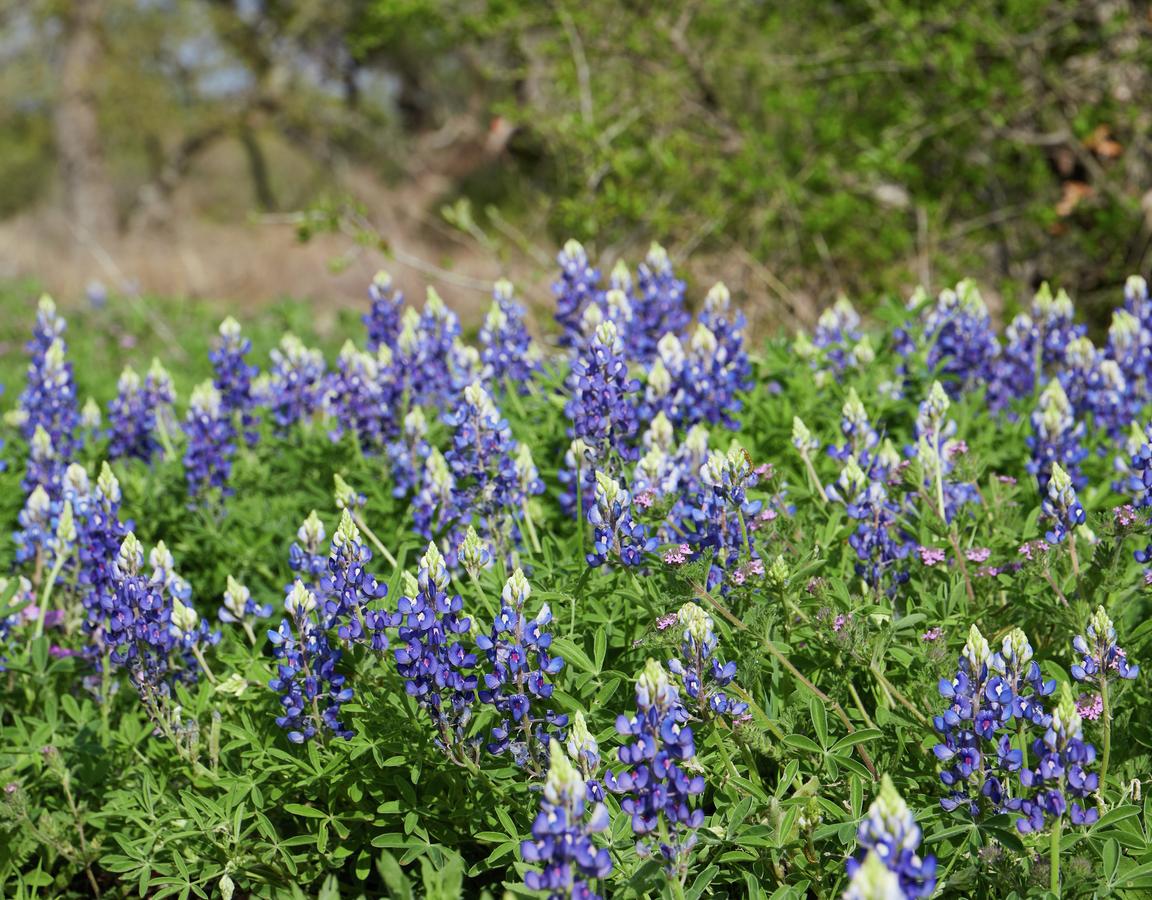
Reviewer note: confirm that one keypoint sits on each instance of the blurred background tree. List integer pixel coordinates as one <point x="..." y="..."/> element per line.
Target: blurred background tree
<point x="798" y="149"/>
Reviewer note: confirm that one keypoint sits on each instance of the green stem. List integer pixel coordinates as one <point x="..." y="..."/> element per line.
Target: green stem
<point x="46" y="596"/>
<point x="376" y="542"/>
<point x="897" y="696"/>
<point x="1054" y="859"/>
<point x="1106" y="717"/>
<point x="203" y="664"/>
<point x="531" y="527"/>
<point x="814" y="477"/>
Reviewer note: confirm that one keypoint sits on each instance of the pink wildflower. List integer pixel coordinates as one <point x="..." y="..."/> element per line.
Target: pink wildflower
<point x="1005" y="479"/>
<point x="1126" y="515"/>
<point x="840" y="621"/>
<point x="666" y="621"/>
<point x="1090" y="706"/>
<point x="644" y="499"/>
<point x="957" y="448"/>
<point x="932" y="634"/>
<point x="930" y="556"/>
<point x="977" y="554"/>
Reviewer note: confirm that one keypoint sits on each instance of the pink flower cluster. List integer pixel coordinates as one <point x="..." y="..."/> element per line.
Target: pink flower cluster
<point x="677" y="556"/>
<point x="932" y="634"/>
<point x="1090" y="706"/>
<point x="755" y="567"/>
<point x="1032" y="549"/>
<point x="931" y="556"/>
<point x="1126" y="515"/>
<point x="977" y="554"/>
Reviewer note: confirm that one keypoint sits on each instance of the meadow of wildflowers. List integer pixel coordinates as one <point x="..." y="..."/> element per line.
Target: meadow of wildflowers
<point x="622" y="606"/>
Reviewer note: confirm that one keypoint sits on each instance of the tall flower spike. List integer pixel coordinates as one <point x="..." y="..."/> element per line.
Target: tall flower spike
<point x="517" y="684"/>
<point x="383" y="319"/>
<point x="431" y="659"/>
<point x="1056" y="438"/>
<point x="349" y="590"/>
<point x="1060" y="780"/>
<point x="616" y="535"/>
<point x="1101" y="658"/>
<point x="407" y="452"/>
<point x="211" y="442"/>
<point x="700" y="669"/>
<point x="296" y="383"/>
<point x="1061" y="506"/>
<point x="889" y="831"/>
<point x="561" y="838"/>
<point x="657" y="789"/>
<point x="306" y="674"/>
<point x="575" y="290"/>
<point x="506" y="349"/>
<point x="233" y="379"/>
<point x="601" y="409"/>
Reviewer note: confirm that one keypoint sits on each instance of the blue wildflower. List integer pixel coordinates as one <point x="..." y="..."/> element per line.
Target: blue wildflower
<point x="561" y="840"/>
<point x="517" y="683"/>
<point x="657" y="790"/>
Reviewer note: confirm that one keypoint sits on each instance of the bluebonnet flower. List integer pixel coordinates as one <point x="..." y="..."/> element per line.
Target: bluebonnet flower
<point x="138" y="631"/>
<point x="1056" y="438"/>
<point x="192" y="633"/>
<point x="889" y="831"/>
<point x="482" y="461"/>
<point x="872" y="880"/>
<point x="1060" y="781"/>
<point x="34" y="539"/>
<point x="657" y="790"/>
<point x="585" y="752"/>
<point x="701" y="671"/>
<point x="856" y="426"/>
<point x="935" y="451"/>
<point x="718" y="513"/>
<point x="836" y="330"/>
<point x="294" y="388"/>
<point x="1061" y="506"/>
<point x="601" y="410"/>
<point x="1128" y="344"/>
<point x="140" y="416"/>
<point x="617" y="536"/>
<point x="91" y="421"/>
<point x="211" y="442"/>
<point x="464" y="368"/>
<point x="507" y="351"/>
<point x="658" y="307"/>
<point x="473" y="554"/>
<point x="101" y="535"/>
<point x="988" y="692"/>
<point x="306" y="674"/>
<point x="434" y="508"/>
<point x="349" y="590"/>
<point x="425" y="350"/>
<point x="49" y="399"/>
<point x="50" y="326"/>
<point x="407" y="453"/>
<point x="233" y="379"/>
<point x="383" y="319"/>
<point x="728" y="327"/>
<point x="431" y="659"/>
<point x="361" y="395"/>
<point x="663" y="395"/>
<point x="1100" y="657"/>
<point x="517" y="683"/>
<point x="710" y="382"/>
<point x="577" y="287"/>
<point x="561" y="838"/>
<point x="958" y="336"/>
<point x="240" y="609"/>
<point x="306" y="557"/>
<point x="45" y="465"/>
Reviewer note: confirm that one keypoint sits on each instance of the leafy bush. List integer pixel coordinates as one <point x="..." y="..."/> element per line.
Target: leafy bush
<point x="632" y="606"/>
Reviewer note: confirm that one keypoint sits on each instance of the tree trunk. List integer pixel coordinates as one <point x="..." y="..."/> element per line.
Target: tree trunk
<point x="88" y="190"/>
